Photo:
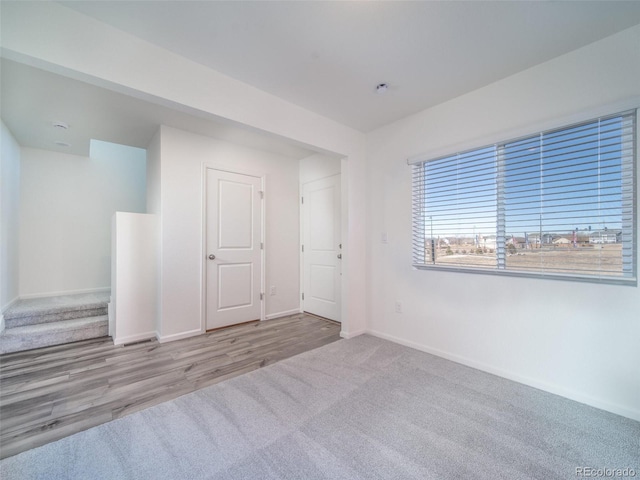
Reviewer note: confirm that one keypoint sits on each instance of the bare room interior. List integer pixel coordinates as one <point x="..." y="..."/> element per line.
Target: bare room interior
<point x="354" y="240"/>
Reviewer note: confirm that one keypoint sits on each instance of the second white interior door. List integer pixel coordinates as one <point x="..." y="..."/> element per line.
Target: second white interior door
<point x="322" y="247"/>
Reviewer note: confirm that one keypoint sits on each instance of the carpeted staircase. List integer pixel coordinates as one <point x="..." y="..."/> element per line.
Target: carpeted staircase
<point x="42" y="322"/>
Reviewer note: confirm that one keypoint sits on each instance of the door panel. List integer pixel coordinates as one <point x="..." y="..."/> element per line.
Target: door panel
<point x="322" y="283"/>
<point x="233" y="280"/>
<point x="321" y="205"/>
<point x="322" y="252"/>
<point x="234" y="233"/>
<point x="235" y="215"/>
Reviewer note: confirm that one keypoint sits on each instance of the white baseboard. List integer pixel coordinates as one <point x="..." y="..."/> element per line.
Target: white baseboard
<point x="286" y="313"/>
<point x="134" y="338"/>
<point x="177" y="336"/>
<point x="66" y="292"/>
<point x="631" y="413"/>
<point x="348" y="335"/>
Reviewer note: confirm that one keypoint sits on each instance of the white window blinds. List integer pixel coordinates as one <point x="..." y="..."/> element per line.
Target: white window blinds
<point x="559" y="203"/>
<point x="455" y="210"/>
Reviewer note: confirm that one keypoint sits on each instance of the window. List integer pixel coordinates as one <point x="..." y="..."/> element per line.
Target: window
<point x="557" y="204"/>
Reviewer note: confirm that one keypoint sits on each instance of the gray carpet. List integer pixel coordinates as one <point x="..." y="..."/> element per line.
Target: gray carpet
<point x="46" y="321"/>
<point x="53" y="305"/>
<point x="362" y="408"/>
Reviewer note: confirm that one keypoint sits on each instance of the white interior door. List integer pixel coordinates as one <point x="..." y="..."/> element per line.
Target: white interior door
<point x="322" y="249"/>
<point x="234" y="256"/>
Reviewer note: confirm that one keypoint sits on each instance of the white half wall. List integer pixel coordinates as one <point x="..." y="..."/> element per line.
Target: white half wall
<point x="575" y="339"/>
<point x="9" y="219"/>
<point x="183" y="156"/>
<point x="66" y="205"/>
<point x="133" y="309"/>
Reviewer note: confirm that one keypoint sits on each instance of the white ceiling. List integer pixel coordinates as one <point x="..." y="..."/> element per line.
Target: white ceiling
<point x="324" y="56"/>
<point x="33" y="99"/>
<point x="329" y="56"/>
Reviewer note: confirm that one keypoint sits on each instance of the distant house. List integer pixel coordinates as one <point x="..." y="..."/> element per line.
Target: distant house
<point x="488" y="241"/>
<point x="605" y="236"/>
<point x="562" y="241"/>
<point x="534" y="238"/>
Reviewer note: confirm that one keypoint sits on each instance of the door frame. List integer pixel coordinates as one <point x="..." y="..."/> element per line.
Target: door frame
<point x="343" y="238"/>
<point x="203" y="242"/>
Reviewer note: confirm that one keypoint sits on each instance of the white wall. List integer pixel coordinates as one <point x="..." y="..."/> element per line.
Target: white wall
<point x="88" y="50"/>
<point x="66" y="204"/>
<point x="575" y="339"/>
<point x="9" y="215"/>
<point x="318" y="166"/>
<point x="153" y="174"/>
<point x="183" y="155"/>
<point x="154" y="206"/>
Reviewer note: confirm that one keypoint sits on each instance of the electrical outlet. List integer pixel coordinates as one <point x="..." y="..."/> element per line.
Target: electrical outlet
<point x="272" y="291"/>
<point x="398" y="307"/>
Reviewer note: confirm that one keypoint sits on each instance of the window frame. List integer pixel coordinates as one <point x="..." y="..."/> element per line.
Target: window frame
<point x="419" y="200"/>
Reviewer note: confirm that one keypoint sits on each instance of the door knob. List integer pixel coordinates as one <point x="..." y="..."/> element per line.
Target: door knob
<point x="212" y="257"/>
<point x="340" y="256"/>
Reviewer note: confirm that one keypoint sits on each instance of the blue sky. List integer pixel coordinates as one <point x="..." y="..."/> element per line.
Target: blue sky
<point x="567" y="179"/>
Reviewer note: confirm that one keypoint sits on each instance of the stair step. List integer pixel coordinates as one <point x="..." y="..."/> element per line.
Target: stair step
<point x="40" y="335"/>
<point x="52" y="305"/>
<point x="34" y="319"/>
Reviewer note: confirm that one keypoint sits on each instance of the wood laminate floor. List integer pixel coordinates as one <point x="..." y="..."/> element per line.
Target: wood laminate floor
<point x="50" y="393"/>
